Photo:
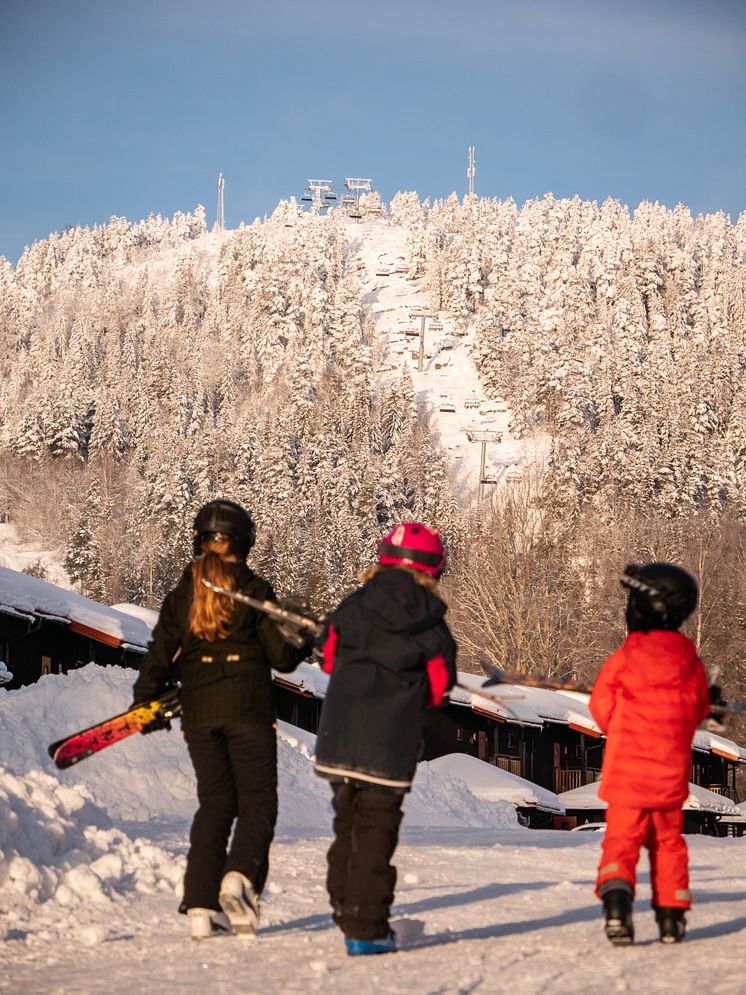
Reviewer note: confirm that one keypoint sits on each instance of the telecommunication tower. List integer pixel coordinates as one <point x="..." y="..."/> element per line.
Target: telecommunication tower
<point x="471" y="171"/>
<point x="220" y="220"/>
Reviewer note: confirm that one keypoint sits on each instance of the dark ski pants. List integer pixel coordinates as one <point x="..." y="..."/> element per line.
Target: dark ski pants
<point x="361" y="878"/>
<point x="236" y="768"/>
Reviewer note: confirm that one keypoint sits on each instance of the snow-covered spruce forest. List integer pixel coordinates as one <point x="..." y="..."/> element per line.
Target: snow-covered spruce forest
<point x="148" y="367"/>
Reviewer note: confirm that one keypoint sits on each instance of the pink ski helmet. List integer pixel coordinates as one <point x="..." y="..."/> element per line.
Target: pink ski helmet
<point x="413" y="544"/>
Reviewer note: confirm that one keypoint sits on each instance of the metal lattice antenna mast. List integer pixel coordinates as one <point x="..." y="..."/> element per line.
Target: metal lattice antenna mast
<point x="220" y="220"/>
<point x="471" y="171"/>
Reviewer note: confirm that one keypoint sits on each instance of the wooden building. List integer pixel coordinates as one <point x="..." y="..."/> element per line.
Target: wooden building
<point x="47" y="630"/>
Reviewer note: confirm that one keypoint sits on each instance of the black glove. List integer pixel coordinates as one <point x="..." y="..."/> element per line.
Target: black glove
<point x="295" y="636"/>
<point x="159" y="721"/>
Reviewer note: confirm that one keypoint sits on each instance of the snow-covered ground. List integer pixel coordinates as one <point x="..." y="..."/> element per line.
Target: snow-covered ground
<point x="17" y="555"/>
<point x="91" y="860"/>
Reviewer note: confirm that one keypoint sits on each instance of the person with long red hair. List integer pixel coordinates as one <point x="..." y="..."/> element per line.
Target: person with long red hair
<point x="225" y="652"/>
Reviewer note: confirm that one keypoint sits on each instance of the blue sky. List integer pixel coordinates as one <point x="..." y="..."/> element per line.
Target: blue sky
<point x="133" y="107"/>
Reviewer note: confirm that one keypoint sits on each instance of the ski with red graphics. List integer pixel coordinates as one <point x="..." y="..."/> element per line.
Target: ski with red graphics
<point x="148" y="716"/>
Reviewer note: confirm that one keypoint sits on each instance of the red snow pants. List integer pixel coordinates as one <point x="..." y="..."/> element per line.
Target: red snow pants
<point x="659" y="831"/>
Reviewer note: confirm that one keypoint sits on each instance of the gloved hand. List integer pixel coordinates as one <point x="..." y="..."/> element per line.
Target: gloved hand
<point x="298" y="638"/>
<point x="159" y="721"/>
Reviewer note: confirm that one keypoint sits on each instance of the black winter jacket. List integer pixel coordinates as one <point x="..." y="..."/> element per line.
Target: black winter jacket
<point x="385" y="645"/>
<point x="224" y="680"/>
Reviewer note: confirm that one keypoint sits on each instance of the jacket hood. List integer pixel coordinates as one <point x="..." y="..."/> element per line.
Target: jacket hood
<point x="395" y="601"/>
<point x="661" y="657"/>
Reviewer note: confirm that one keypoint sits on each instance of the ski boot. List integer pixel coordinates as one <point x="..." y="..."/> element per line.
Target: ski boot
<point x="357" y="948"/>
<point x="671" y="924"/>
<point x="618" y="913"/>
<point x="240" y="903"/>
<point x="206" y="923"/>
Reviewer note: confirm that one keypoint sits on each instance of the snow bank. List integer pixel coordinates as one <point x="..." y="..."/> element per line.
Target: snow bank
<point x="438" y="800"/>
<point x="57" y="845"/>
<point x="140" y="779"/>
<point x="490" y="783"/>
<point x="150" y="778"/>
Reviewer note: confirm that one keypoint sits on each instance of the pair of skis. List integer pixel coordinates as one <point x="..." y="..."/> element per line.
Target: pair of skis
<point x="158" y="712"/>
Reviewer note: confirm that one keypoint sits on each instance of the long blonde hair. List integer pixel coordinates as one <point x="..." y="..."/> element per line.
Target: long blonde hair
<point x="210" y="613"/>
<point x="421" y="578"/>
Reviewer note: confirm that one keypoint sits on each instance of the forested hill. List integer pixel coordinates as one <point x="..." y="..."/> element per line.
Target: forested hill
<point x="147" y="367"/>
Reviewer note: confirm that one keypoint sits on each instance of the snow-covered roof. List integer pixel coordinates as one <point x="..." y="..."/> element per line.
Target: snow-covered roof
<point x="699" y="800"/>
<point x="504" y="702"/>
<point x="494" y="784"/>
<point x="21" y="594"/>
<point x="709" y="742"/>
<point x="146" y="615"/>
<point x="307" y="678"/>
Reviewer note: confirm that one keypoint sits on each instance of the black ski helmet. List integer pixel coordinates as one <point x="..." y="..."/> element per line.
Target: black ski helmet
<point x="224" y="519"/>
<point x="661" y="596"/>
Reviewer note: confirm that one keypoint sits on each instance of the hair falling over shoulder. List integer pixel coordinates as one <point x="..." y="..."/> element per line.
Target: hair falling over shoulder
<point x="210" y="613"/>
<point x="423" y="579"/>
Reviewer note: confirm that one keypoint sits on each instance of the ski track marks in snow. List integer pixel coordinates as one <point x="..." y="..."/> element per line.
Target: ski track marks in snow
<point x="499" y="916"/>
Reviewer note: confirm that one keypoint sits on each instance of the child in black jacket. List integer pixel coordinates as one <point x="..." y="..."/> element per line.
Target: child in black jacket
<point x="390" y="655"/>
<point x="225" y="653"/>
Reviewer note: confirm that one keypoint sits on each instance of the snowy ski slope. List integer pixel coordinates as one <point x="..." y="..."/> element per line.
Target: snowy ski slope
<point x="448" y="384"/>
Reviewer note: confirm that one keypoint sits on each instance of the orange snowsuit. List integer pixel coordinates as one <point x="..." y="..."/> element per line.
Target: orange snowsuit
<point x="649" y="698"/>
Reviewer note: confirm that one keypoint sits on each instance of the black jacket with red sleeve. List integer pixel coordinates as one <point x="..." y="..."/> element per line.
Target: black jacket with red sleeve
<point x="390" y="654"/>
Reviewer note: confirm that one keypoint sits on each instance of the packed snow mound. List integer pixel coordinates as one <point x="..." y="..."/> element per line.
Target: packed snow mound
<point x="491" y="783"/>
<point x="57" y="845"/>
<point x="150" y="778"/>
<point x="139" y="779"/>
<point x="440" y="801"/>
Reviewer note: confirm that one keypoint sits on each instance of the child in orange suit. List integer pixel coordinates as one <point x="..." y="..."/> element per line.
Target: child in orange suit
<point x="649" y="698"/>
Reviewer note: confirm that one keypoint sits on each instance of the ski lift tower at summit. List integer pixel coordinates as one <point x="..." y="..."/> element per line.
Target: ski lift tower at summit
<point x="356" y="184"/>
<point x="319" y="193"/>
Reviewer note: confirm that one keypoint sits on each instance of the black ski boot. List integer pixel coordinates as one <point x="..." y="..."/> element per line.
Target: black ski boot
<point x="618" y="912"/>
<point x="671" y="924"/>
